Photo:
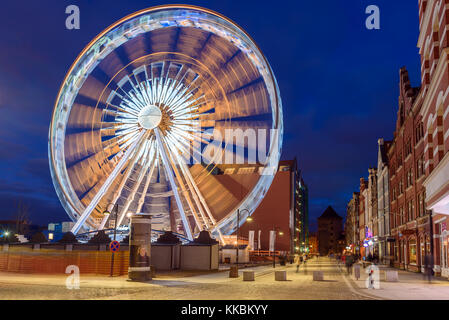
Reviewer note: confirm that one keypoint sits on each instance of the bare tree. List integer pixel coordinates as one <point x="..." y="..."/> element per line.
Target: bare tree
<point x="22" y="217"/>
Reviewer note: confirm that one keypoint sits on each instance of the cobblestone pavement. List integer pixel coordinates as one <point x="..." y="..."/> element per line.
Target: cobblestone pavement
<point x="299" y="286"/>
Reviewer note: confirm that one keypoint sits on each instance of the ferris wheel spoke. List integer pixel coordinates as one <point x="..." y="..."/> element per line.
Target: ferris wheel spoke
<point x="147" y="184"/>
<point x="174" y="160"/>
<point x="197" y="194"/>
<point x="89" y="208"/>
<point x="173" y="184"/>
<point x="119" y="190"/>
<point x="136" y="186"/>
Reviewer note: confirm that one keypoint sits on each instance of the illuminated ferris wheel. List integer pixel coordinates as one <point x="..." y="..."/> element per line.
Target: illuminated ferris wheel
<point x="142" y="105"/>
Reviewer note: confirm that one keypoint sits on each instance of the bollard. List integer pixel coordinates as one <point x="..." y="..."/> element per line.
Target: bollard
<point x="234" y="272"/>
<point x="140" y="248"/>
<point x="248" y="275"/>
<point x="318" y="276"/>
<point x="153" y="271"/>
<point x="391" y="276"/>
<point x="356" y="269"/>
<point x="280" y="275"/>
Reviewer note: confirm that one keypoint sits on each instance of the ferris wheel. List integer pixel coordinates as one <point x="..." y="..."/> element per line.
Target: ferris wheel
<point x="142" y="107"/>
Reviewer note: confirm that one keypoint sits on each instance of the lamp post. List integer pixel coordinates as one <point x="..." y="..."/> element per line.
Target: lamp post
<point x="238" y="228"/>
<point x="274" y="245"/>
<point x="114" y="209"/>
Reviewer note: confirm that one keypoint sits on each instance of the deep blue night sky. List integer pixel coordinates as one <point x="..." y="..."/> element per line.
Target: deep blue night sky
<point x="338" y="82"/>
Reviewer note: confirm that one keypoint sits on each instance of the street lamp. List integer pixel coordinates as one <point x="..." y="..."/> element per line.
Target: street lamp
<point x="238" y="227"/>
<point x="274" y="244"/>
<point x="106" y="212"/>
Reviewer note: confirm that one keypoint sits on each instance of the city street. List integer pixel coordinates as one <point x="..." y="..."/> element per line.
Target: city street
<point x="337" y="285"/>
<point x="206" y="286"/>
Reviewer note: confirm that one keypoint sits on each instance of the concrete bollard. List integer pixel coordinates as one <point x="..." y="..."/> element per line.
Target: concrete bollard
<point x="391" y="276"/>
<point x="248" y="275"/>
<point x="153" y="271"/>
<point x="318" y="276"/>
<point x="280" y="275"/>
<point x="234" y="272"/>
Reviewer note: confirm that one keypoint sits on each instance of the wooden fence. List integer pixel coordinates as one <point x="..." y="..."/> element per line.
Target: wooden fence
<point x="54" y="259"/>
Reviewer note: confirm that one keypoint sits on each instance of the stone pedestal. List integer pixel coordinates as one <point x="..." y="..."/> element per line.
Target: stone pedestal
<point x="280" y="275"/>
<point x="391" y="276"/>
<point x="140" y="248"/>
<point x="248" y="275"/>
<point x="318" y="276"/>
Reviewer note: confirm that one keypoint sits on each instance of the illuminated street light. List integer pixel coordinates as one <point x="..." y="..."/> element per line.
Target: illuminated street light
<point x="237" y="235"/>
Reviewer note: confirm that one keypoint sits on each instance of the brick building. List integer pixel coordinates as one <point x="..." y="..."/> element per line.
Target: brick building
<point x="284" y="209"/>
<point x="383" y="203"/>
<point x="329" y="232"/>
<point x="313" y="244"/>
<point x="363" y="217"/>
<point x="352" y="231"/>
<point x="414" y="174"/>
<point x="432" y="126"/>
<point x="410" y="223"/>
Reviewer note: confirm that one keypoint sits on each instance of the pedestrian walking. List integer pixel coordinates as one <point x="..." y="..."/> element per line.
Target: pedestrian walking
<point x="428" y="261"/>
<point x="297" y="262"/>
<point x="349" y="262"/>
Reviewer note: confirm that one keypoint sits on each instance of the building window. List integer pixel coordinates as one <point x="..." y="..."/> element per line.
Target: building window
<point x="419" y="132"/>
<point x="393" y="220"/>
<point x="229" y="171"/>
<point x="399" y="161"/>
<point x="396" y="251"/>
<point x="410" y="210"/>
<point x="423" y="197"/>
<point x="420" y="167"/>
<point x="412" y="251"/>
<point x="245" y="170"/>
<point x="409" y="179"/>
<point x="408" y="148"/>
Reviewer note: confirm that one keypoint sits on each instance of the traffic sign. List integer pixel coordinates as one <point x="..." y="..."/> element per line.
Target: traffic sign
<point x="114" y="246"/>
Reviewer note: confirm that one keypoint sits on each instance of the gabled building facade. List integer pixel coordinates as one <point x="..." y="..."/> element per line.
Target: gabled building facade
<point x="433" y="126"/>
<point x="383" y="203"/>
<point x="410" y="222"/>
<point x="352" y="231"/>
<point x="330" y="232"/>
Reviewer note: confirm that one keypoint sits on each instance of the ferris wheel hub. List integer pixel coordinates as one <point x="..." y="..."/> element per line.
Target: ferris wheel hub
<point x="150" y="117"/>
